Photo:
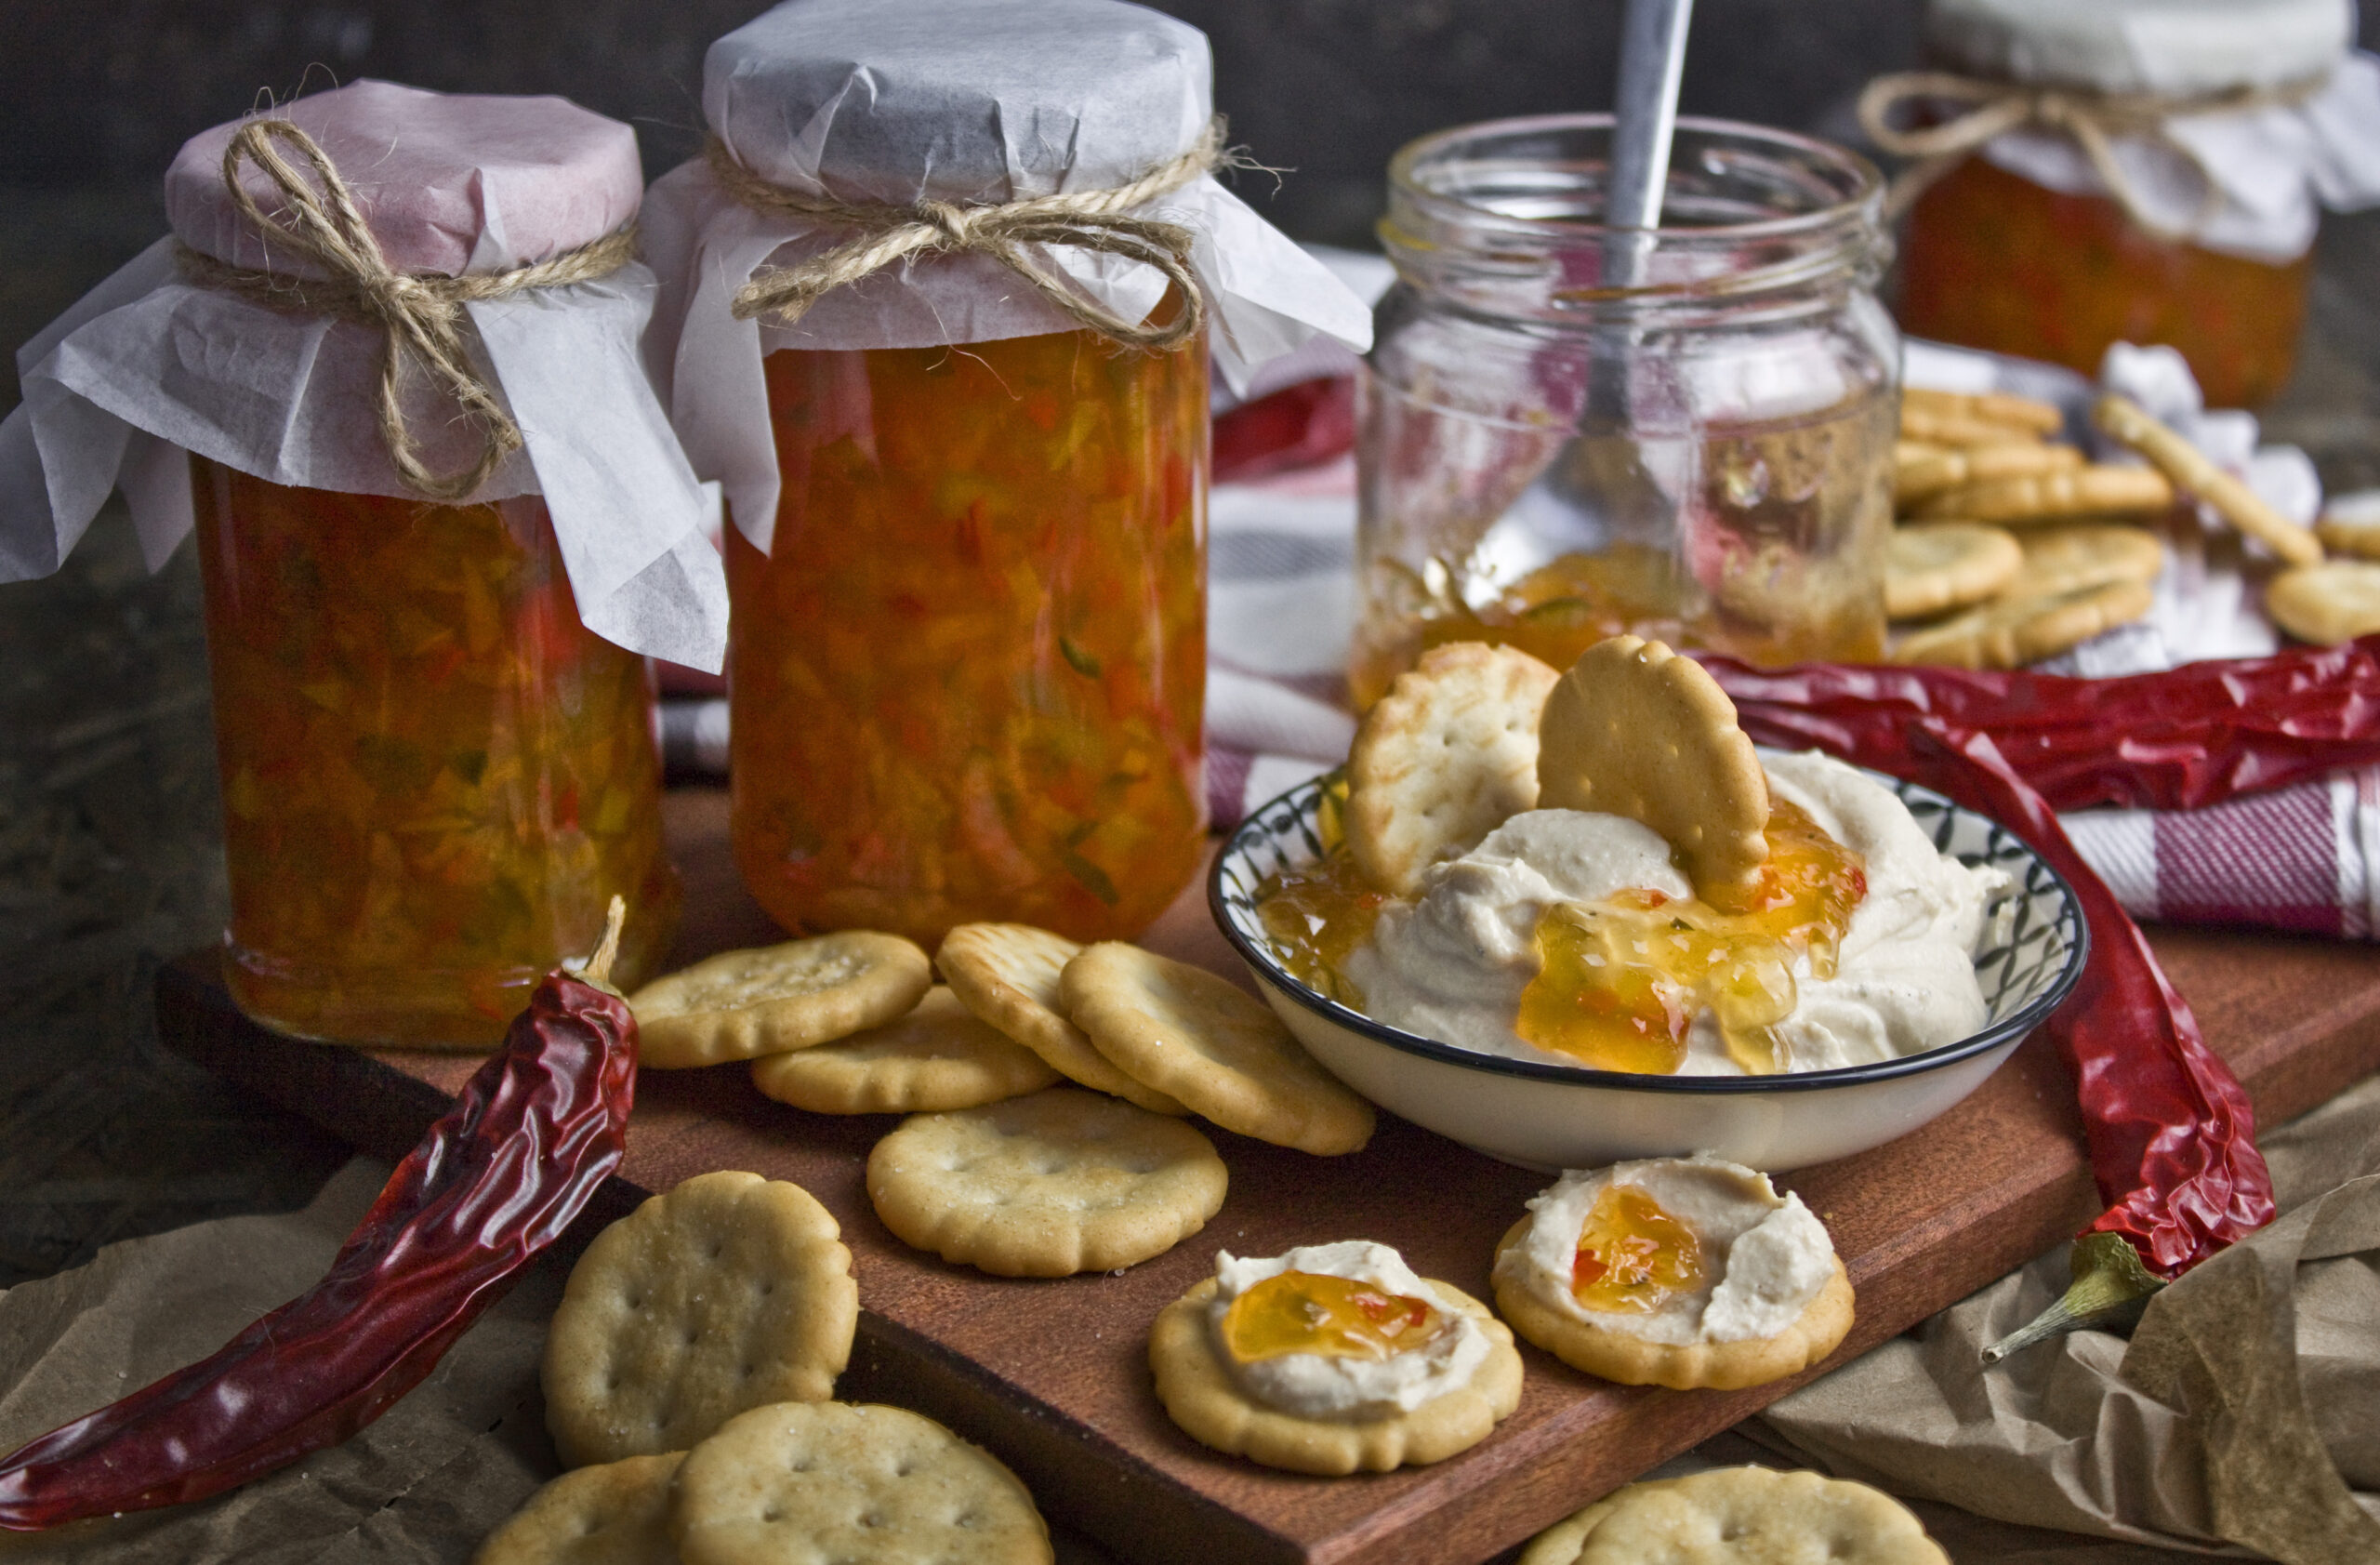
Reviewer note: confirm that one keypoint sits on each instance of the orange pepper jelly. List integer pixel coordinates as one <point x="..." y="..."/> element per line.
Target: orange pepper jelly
<point x="1634" y="1258"/>
<point x="968" y="677"/>
<point x="1317" y="914"/>
<point x="1333" y="1317"/>
<point x="1622" y="980"/>
<point x="435" y="776"/>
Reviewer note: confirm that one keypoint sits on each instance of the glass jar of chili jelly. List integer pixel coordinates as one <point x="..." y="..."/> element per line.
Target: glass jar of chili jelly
<point x="435" y="773"/>
<point x="2223" y="128"/>
<point x="389" y="372"/>
<point x="968" y="663"/>
<point x="1568" y="431"/>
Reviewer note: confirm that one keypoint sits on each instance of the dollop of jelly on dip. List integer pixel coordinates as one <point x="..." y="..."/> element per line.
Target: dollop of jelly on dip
<point x="1573" y="937"/>
<point x="1340" y="1330"/>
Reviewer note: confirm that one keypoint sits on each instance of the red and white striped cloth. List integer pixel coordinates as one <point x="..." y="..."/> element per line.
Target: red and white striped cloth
<point x="1281" y="608"/>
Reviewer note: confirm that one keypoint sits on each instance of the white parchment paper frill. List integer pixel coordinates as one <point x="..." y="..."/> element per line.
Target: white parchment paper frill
<point x="964" y="101"/>
<point x="149" y="364"/>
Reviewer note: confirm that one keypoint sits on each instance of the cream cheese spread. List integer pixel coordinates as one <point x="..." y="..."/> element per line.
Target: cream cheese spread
<point x="1764" y="1257"/>
<point x="1322" y="1385"/>
<point x="1452" y="964"/>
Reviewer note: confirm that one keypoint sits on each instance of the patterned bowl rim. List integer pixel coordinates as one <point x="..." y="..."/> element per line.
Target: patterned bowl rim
<point x="2068" y="919"/>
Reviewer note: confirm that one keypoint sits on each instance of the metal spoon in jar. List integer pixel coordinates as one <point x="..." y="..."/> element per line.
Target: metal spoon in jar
<point x="1603" y="486"/>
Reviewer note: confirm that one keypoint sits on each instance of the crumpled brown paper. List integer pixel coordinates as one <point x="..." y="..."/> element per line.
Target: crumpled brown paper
<point x="2245" y="1411"/>
<point x="425" y="1482"/>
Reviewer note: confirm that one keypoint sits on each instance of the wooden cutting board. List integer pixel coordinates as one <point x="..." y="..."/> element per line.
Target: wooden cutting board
<point x="1051" y="1375"/>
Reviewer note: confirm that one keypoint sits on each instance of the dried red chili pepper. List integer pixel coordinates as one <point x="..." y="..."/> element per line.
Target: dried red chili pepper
<point x="2180" y="739"/>
<point x="495" y="1181"/>
<point x="2170" y="1131"/>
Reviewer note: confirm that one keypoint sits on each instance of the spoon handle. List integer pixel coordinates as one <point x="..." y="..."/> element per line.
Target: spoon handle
<point x="1652" y="56"/>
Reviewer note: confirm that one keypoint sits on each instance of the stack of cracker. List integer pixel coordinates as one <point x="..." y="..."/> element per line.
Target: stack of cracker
<point x="687" y="1376"/>
<point x="2012" y="547"/>
<point x="999" y="1166"/>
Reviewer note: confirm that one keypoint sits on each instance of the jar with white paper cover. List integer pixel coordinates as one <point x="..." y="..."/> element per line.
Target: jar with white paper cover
<point x="2146" y="171"/>
<point x="387" y="368"/>
<point x="939" y="305"/>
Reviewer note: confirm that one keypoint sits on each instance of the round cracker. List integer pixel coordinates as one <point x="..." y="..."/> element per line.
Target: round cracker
<point x="2353" y="531"/>
<point x="1630" y="1360"/>
<point x="1932" y="567"/>
<point x="1201" y="1038"/>
<point x="740" y="1004"/>
<point x="1007" y="974"/>
<point x="2020" y="630"/>
<point x="938" y="1056"/>
<point x="1205" y="1399"/>
<point x="2085" y="491"/>
<point x="728" y="1293"/>
<point x="2078" y="555"/>
<point x="807" y="1483"/>
<point x="1755" y="1516"/>
<point x="1635" y="730"/>
<point x="1560" y="1544"/>
<point x="615" y="1513"/>
<point x="1062" y="1182"/>
<point x="2327" y="603"/>
<point x="1446" y="757"/>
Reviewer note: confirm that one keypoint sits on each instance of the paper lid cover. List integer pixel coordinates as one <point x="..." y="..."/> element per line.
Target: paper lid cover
<point x="447" y="183"/>
<point x="2174" y="47"/>
<point x="889" y="103"/>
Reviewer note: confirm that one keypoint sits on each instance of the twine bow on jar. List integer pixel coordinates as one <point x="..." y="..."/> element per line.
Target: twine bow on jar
<point x="1988" y="109"/>
<point x="1095" y="219"/>
<point x="420" y="315"/>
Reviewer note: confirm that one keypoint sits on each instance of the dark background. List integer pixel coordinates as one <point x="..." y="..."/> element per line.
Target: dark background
<point x="97" y="95"/>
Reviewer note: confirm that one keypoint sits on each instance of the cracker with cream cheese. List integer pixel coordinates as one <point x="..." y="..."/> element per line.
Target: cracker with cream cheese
<point x="1342" y="1413"/>
<point x="1739" y="1285"/>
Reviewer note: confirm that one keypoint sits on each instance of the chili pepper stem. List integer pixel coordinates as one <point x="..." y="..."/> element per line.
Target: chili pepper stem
<point x="597" y="969"/>
<point x="2110" y="1291"/>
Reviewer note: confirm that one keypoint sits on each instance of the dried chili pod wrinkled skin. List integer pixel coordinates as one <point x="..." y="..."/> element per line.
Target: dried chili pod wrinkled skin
<point x="495" y="1182"/>
<point x="2169" y="1128"/>
<point x="2179" y="740"/>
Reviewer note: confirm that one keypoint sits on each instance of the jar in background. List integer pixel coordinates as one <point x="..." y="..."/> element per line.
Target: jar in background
<point x="2141" y="171"/>
<point x="969" y="673"/>
<point x="1703" y="457"/>
<point x="434" y="775"/>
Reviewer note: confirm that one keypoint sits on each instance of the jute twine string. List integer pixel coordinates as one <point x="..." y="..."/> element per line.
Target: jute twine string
<point x="1085" y="219"/>
<point x="420" y="315"/>
<point x="2093" y="119"/>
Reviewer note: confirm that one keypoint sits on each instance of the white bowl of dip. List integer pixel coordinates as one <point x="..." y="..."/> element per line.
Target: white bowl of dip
<point x="1551" y="1116"/>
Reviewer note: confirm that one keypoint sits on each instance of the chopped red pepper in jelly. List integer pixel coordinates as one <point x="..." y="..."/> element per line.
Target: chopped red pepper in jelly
<point x="434" y="775"/>
<point x="1623" y="979"/>
<point x="1336" y="1316"/>
<point x="1634" y="1258"/>
<point x="968" y="677"/>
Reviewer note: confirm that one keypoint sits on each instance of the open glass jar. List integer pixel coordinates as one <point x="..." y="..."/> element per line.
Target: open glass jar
<point x="1702" y="454"/>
